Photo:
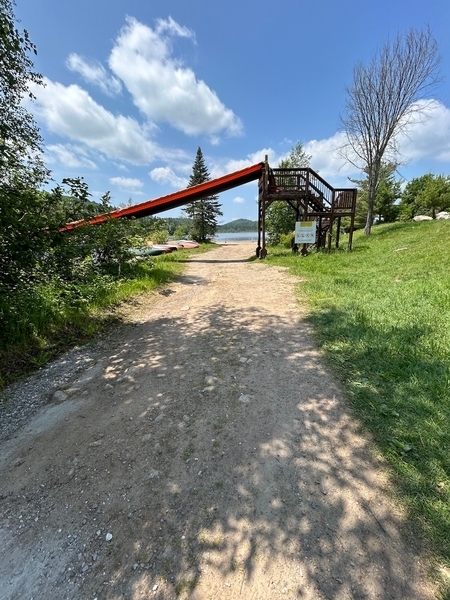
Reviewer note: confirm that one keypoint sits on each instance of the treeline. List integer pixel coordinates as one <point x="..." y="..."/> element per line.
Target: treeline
<point x="183" y="225"/>
<point x="426" y="195"/>
<point x="172" y="224"/>
<point x="238" y="225"/>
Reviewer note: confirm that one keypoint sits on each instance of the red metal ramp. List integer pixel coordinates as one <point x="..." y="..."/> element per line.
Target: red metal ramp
<point x="177" y="199"/>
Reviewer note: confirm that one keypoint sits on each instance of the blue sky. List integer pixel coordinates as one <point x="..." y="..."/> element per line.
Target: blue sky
<point x="133" y="88"/>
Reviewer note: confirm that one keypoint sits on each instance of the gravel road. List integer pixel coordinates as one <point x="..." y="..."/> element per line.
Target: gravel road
<point x="202" y="450"/>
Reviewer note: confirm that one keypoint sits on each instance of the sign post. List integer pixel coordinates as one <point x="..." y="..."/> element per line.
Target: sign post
<point x="305" y="232"/>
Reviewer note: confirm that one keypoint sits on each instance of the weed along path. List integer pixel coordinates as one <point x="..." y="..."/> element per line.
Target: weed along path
<point x="202" y="452"/>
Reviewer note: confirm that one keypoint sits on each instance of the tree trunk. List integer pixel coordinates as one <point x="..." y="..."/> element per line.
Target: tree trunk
<point x="370" y="205"/>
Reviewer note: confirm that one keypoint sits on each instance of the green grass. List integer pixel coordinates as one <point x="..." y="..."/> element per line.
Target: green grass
<point x="45" y="320"/>
<point x="382" y="315"/>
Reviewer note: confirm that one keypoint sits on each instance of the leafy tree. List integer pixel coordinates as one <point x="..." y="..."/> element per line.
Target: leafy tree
<point x="20" y="141"/>
<point x="24" y="211"/>
<point x="408" y="206"/>
<point x="172" y="223"/>
<point x="382" y="101"/>
<point x="280" y="216"/>
<point x="427" y="195"/>
<point x="182" y="231"/>
<point x="156" y="229"/>
<point x="435" y="197"/>
<point x="88" y="250"/>
<point x="388" y="192"/>
<point x="205" y="212"/>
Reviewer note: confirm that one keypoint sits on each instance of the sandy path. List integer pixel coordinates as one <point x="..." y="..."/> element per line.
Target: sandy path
<point x="209" y="440"/>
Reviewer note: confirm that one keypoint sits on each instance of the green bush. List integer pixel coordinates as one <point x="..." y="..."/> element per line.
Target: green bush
<point x="286" y="239"/>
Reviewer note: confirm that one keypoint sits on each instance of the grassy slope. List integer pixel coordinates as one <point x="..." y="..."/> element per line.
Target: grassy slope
<point x="382" y="315"/>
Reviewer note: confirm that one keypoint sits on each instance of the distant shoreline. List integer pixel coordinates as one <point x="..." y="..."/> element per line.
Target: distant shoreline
<point x="250" y="236"/>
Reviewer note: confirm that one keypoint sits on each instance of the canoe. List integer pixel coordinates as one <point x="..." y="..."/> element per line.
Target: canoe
<point x="173" y="247"/>
<point x="146" y="251"/>
<point x="164" y="249"/>
<point x="187" y="243"/>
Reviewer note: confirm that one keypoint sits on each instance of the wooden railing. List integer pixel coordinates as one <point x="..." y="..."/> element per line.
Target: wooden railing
<point x="322" y="197"/>
<point x="304" y="181"/>
<point x="345" y="200"/>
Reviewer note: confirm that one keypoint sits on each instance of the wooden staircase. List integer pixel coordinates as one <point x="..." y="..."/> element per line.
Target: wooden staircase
<point x="311" y="198"/>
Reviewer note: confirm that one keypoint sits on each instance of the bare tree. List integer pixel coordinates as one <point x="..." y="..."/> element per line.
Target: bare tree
<point x="382" y="101"/>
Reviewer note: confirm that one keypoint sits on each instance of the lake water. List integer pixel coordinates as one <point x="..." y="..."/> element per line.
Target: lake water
<point x="241" y="235"/>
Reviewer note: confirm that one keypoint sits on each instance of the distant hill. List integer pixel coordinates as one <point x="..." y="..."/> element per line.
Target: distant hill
<point x="238" y="225"/>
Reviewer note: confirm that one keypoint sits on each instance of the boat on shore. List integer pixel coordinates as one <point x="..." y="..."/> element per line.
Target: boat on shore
<point x="158" y="249"/>
<point x="186" y="243"/>
<point x="165" y="248"/>
<point x="151" y="251"/>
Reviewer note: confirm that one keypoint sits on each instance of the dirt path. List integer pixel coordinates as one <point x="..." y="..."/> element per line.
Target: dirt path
<point x="209" y="441"/>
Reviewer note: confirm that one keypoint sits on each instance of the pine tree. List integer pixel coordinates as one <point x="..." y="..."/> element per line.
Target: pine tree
<point x="205" y="212"/>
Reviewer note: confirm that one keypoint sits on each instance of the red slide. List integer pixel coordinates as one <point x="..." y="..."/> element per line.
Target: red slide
<point x="196" y="192"/>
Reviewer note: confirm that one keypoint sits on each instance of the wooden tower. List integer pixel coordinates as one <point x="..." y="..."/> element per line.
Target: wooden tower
<point x="311" y="198"/>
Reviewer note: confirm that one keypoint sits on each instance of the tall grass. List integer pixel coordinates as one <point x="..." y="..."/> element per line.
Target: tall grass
<point x="382" y="315"/>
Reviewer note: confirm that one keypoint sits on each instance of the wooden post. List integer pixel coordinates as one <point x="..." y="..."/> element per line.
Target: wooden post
<point x="350" y="233"/>
<point x="338" y="232"/>
<point x="352" y="221"/>
<point x="260" y="200"/>
<point x="330" y="233"/>
<point x="262" y="239"/>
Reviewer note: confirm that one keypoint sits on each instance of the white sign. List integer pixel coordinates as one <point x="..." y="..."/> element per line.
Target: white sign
<point x="305" y="232"/>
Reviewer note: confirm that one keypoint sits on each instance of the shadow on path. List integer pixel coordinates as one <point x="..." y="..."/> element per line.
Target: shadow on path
<point x="220" y="453"/>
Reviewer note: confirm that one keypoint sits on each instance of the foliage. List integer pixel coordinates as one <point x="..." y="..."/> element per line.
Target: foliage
<point x="382" y="102"/>
<point x="48" y="279"/>
<point x="174" y="223"/>
<point x="386" y="208"/>
<point x="23" y="235"/>
<point x="381" y="315"/>
<point x="435" y="196"/>
<point x="36" y="258"/>
<point x="53" y="314"/>
<point x="20" y="163"/>
<point x="280" y="216"/>
<point x="205" y="212"/>
<point x="286" y="240"/>
<point x="23" y="210"/>
<point x="280" y="220"/>
<point x="426" y="195"/>
<point x="160" y="237"/>
<point x="156" y="229"/>
<point x="182" y="232"/>
<point x="408" y="206"/>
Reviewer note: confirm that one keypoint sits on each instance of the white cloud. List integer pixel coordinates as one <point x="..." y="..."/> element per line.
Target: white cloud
<point x="232" y="165"/>
<point x="70" y="156"/>
<point x="239" y="200"/>
<point x="127" y="184"/>
<point x="428" y="133"/>
<point x="71" y="112"/>
<point x="427" y="137"/>
<point x="121" y="167"/>
<point x="325" y="158"/>
<point x="166" y="176"/>
<point x="95" y="73"/>
<point x="162" y="88"/>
